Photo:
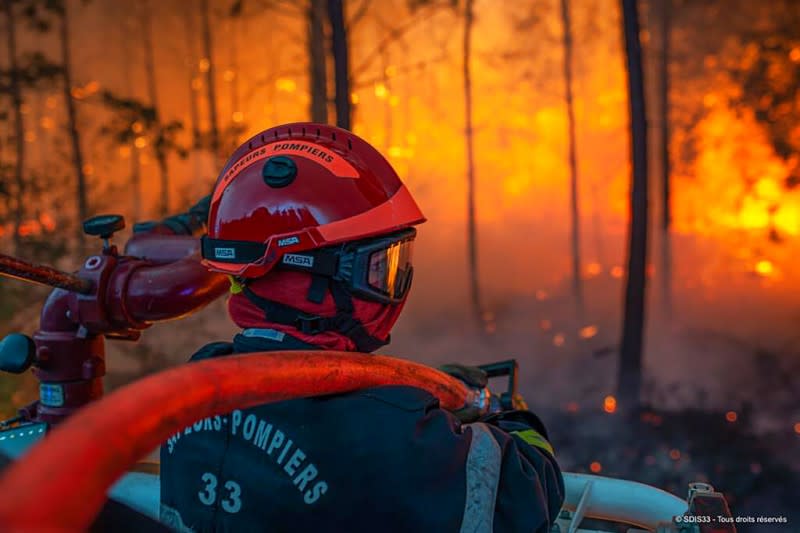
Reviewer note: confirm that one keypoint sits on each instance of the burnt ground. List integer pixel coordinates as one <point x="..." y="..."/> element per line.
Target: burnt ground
<point x="670" y="449"/>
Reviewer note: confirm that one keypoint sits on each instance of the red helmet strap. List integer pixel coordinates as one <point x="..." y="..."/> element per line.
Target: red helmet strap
<point x="344" y="322"/>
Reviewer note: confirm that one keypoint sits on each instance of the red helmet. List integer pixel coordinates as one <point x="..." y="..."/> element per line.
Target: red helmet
<point x="301" y="187"/>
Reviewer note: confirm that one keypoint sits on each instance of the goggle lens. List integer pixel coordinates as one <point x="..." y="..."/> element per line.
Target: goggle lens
<point x="390" y="269"/>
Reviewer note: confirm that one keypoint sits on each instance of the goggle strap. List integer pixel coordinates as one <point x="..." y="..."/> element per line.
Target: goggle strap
<point x="317" y="262"/>
<point x="227" y="251"/>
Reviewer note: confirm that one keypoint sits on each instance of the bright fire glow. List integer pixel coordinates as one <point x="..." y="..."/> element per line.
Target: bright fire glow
<point x="764" y="268"/>
<point x="610" y="404"/>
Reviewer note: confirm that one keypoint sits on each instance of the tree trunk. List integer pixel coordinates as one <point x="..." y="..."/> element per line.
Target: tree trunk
<point x="194" y="109"/>
<point x="630" y="364"/>
<point x="577" y="285"/>
<point x="341" y="67"/>
<point x="146" y="22"/>
<point x="136" y="183"/>
<point x="19" y="125"/>
<point x="208" y="52"/>
<point x="72" y="129"/>
<point x="666" y="207"/>
<point x="472" y="244"/>
<point x="317" y="74"/>
<point x="134" y="179"/>
<point x="666" y="28"/>
<point x="388" y="126"/>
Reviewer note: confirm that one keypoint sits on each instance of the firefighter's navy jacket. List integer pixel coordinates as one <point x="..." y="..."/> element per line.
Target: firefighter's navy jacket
<point x="382" y="459"/>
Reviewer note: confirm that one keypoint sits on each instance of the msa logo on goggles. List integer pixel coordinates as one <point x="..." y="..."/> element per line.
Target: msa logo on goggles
<point x="306" y="261"/>
<point x="225" y="253"/>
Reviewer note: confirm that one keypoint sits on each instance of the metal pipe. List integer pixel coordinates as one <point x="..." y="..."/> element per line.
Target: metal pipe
<point x="13" y="267"/>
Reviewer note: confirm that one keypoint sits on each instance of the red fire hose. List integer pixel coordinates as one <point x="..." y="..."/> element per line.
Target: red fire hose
<point x="61" y="483"/>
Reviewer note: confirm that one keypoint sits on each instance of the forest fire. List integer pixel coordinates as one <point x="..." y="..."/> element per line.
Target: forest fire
<point x="516" y="146"/>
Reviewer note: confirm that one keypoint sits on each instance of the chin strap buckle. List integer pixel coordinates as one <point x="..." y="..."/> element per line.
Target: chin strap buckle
<point x="311" y="324"/>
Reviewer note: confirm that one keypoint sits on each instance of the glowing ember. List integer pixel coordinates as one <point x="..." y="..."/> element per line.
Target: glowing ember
<point x="794" y="55"/>
<point x="229" y="75"/>
<point x="286" y="84"/>
<point x="588" y="332"/>
<point x="354" y="98"/>
<point x="381" y="91"/>
<point x="797" y="428"/>
<point x="559" y="339"/>
<point x="610" y="404"/>
<point x="764" y="268"/>
<point x="731" y="416"/>
<point x="204" y="65"/>
<point x="572" y="407"/>
<point x="593" y="269"/>
<point x="674" y="454"/>
<point x="137" y="127"/>
<point x="237" y="116"/>
<point x="140" y="142"/>
<point x="47" y="123"/>
<point x="541" y="295"/>
<point x="47" y="221"/>
<point x="596" y="467"/>
<point x="545" y="324"/>
<point x="617" y="272"/>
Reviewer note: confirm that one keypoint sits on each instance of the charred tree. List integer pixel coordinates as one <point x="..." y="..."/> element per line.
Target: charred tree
<point x="472" y="237"/>
<point x="81" y="191"/>
<point x="146" y="22"/>
<point x="208" y="52"/>
<point x="128" y="139"/>
<point x="194" y="108"/>
<point x="232" y="77"/>
<point x="630" y="363"/>
<point x="666" y="197"/>
<point x="15" y="91"/>
<point x="577" y="286"/>
<point x="666" y="29"/>
<point x="341" y="67"/>
<point x="317" y="63"/>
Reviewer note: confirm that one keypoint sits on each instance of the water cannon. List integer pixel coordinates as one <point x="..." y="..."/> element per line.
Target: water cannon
<point x="113" y="295"/>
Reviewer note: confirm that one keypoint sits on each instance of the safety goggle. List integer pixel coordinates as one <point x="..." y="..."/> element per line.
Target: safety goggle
<point x="378" y="269"/>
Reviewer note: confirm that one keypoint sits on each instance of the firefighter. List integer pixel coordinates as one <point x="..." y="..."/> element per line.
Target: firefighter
<point x="316" y="231"/>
